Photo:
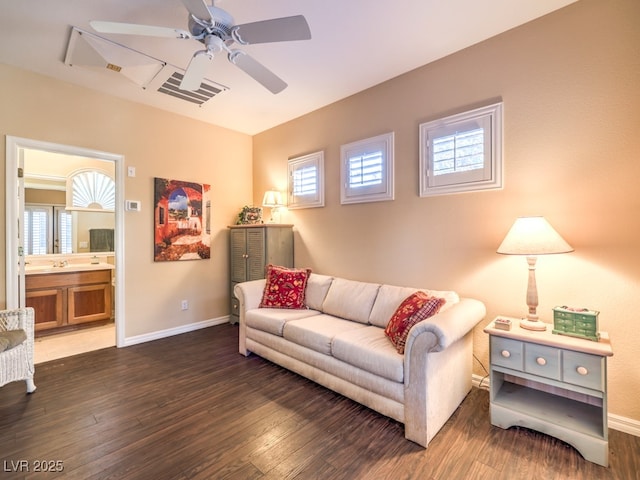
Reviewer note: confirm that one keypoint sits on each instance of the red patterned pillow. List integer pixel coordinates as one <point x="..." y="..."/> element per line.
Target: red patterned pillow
<point x="413" y="309"/>
<point x="285" y="287"/>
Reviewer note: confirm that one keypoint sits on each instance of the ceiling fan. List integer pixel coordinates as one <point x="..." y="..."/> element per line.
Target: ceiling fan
<point x="215" y="28"/>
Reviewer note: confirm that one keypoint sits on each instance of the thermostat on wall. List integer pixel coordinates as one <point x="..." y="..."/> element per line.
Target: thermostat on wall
<point x="132" y="205"/>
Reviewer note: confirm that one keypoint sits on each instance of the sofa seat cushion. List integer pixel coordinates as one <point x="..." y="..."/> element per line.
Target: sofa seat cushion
<point x="273" y="320"/>
<point x="350" y="299"/>
<point x="318" y="332"/>
<point x="369" y="349"/>
<point x="285" y="351"/>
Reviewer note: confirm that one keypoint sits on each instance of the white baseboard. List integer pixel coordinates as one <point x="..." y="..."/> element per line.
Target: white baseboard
<point x="147" y="337"/>
<point x="616" y="422"/>
<point x="624" y="424"/>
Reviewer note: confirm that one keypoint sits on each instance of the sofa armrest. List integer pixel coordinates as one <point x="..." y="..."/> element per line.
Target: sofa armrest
<point x="437" y="368"/>
<point x="249" y="294"/>
<point x="449" y="326"/>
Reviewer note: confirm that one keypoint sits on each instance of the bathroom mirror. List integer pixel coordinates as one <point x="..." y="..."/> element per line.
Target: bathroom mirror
<point x="66" y="216"/>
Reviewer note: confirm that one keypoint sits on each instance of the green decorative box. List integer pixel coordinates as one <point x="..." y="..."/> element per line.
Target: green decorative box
<point x="576" y="322"/>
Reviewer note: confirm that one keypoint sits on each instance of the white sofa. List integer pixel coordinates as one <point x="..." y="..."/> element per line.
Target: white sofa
<point x="338" y="341"/>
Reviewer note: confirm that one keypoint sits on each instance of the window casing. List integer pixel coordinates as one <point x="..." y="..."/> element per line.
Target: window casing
<point x="306" y="181"/>
<point x="366" y="173"/>
<point x="462" y="152"/>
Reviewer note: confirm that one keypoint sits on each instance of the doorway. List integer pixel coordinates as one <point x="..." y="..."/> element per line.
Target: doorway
<point x="21" y="177"/>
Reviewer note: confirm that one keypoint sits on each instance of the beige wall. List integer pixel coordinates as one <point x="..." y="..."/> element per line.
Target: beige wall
<point x="158" y="144"/>
<point x="570" y="85"/>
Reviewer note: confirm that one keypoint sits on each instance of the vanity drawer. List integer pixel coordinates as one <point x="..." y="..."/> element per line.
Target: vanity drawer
<point x="542" y="360"/>
<point x="583" y="369"/>
<point x="506" y="353"/>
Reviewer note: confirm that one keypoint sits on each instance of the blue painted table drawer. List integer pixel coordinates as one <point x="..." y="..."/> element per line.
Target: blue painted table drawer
<point x="583" y="369"/>
<point x="543" y="361"/>
<point x="506" y="353"/>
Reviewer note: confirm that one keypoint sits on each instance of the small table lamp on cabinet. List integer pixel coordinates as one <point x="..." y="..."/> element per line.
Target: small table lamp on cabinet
<point x="532" y="236"/>
<point x="272" y="199"/>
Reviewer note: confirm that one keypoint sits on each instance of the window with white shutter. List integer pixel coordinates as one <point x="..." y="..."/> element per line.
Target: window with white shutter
<point x="306" y="181"/>
<point x="462" y="152"/>
<point x="367" y="170"/>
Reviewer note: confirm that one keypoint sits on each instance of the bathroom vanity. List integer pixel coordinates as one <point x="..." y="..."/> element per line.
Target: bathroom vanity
<point x="69" y="295"/>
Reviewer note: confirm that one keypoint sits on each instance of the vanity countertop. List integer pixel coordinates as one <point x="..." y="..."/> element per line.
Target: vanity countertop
<point x="72" y="267"/>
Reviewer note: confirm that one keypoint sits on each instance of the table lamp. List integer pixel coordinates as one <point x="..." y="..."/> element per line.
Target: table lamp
<point x="272" y="199"/>
<point x="532" y="236"/>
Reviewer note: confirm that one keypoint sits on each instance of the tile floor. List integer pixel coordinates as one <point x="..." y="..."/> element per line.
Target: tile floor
<point x="72" y="343"/>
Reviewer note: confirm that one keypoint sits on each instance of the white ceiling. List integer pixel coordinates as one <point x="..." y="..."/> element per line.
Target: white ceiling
<point x="355" y="45"/>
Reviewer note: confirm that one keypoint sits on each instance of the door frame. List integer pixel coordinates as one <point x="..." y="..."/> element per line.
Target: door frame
<point x="14" y="189"/>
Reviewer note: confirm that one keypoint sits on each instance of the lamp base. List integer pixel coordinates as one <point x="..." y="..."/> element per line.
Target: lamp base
<point x="535" y="325"/>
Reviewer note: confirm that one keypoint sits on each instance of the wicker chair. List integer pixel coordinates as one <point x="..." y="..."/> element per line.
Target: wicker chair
<point x="16" y="363"/>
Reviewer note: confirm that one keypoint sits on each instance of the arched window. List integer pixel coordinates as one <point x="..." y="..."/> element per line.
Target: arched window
<point x="91" y="190"/>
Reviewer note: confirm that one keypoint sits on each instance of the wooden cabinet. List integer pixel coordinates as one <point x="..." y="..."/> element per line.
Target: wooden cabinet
<point x="69" y="298"/>
<point x="48" y="304"/>
<point x="551" y="383"/>
<point x="252" y="248"/>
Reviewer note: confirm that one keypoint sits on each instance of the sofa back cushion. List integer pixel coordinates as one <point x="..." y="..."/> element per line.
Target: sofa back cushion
<point x="350" y="299"/>
<point x="390" y="297"/>
<point x="317" y="288"/>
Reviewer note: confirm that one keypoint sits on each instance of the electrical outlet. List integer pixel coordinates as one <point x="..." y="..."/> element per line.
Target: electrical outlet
<point x="184" y="305"/>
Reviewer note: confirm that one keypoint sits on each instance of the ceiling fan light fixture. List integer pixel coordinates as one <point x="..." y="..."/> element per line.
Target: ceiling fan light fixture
<point x="214" y="44"/>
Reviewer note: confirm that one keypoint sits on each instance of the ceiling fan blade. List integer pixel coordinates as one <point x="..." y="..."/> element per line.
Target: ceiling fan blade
<point x="134" y="29"/>
<point x="275" y="30"/>
<point x="198" y="8"/>
<point x="257" y="71"/>
<point x="195" y="71"/>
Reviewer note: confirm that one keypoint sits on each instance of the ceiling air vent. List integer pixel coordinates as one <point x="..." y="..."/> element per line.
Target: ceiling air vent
<point x="206" y="91"/>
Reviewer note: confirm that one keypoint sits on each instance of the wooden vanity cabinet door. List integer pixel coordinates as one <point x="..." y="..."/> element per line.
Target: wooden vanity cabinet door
<point x="90" y="303"/>
<point x="48" y="305"/>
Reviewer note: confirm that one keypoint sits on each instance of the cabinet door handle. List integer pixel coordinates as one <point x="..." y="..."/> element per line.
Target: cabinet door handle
<point x="582" y="370"/>
<point x="505" y="353"/>
<point x="541" y="361"/>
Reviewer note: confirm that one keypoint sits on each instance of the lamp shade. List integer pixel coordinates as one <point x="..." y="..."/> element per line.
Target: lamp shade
<point x="533" y="236"/>
<point x="272" y="199"/>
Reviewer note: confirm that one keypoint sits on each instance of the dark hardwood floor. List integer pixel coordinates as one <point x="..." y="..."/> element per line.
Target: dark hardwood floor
<point x="191" y="407"/>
